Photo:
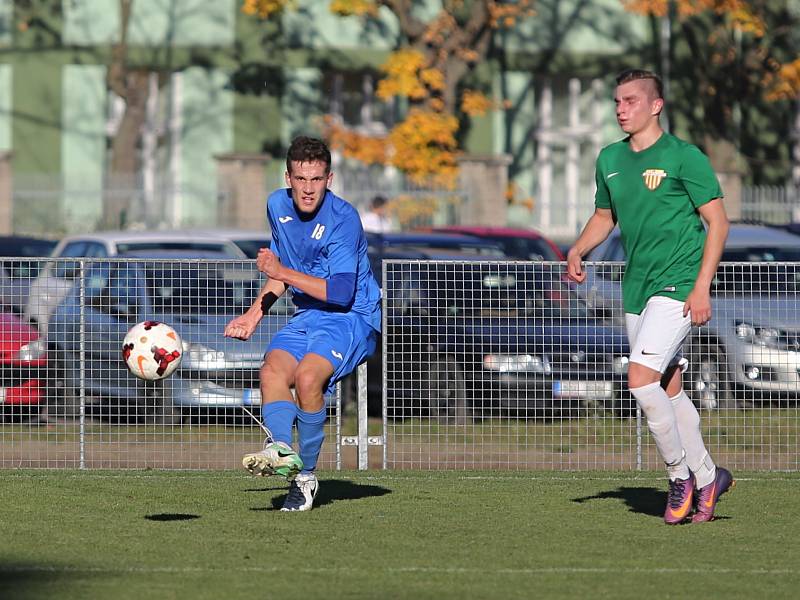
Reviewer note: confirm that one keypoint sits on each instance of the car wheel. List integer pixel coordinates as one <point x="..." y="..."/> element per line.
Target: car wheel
<point x="706" y="381"/>
<point x="448" y="392"/>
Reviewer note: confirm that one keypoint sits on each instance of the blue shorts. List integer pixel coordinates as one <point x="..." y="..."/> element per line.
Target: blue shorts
<point x="344" y="339"/>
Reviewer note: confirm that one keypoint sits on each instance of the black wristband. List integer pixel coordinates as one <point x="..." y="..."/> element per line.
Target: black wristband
<point x="267" y="301"/>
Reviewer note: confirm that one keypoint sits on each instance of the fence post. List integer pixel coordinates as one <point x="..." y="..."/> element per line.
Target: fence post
<point x="363" y="423"/>
<point x="82" y="354"/>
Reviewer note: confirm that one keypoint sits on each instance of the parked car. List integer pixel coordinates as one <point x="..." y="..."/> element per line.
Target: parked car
<point x="56" y="277"/>
<point x="19" y="265"/>
<point x="516" y="242"/>
<point x="751" y="347"/>
<point x="196" y="298"/>
<point x="23" y="366"/>
<point x="471" y="334"/>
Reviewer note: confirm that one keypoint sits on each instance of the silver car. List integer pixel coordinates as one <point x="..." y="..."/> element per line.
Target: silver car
<point x="197" y="295"/>
<point x="55" y="278"/>
<point x="750" y="350"/>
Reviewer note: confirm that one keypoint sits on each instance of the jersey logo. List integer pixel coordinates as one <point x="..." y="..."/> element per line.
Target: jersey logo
<point x="318" y="231"/>
<point x="336" y="354"/>
<point x="284" y="219"/>
<point x="653" y="178"/>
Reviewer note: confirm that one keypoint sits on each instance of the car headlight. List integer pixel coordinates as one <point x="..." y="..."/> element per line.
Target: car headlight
<point x="517" y="363"/>
<point x="769" y="337"/>
<point x="197" y="356"/>
<point x="620" y="364"/>
<point x="32" y="351"/>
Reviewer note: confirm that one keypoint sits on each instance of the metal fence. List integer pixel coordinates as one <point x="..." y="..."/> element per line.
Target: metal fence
<point x="483" y="364"/>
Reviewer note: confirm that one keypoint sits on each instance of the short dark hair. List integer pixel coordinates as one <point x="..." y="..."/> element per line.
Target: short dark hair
<point x="308" y="149"/>
<point x="378" y="201"/>
<point x="636" y="74"/>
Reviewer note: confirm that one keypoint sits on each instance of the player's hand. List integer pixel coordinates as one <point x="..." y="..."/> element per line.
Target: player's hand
<point x="268" y="263"/>
<point x="698" y="304"/>
<point x="241" y="327"/>
<point x="575" y="266"/>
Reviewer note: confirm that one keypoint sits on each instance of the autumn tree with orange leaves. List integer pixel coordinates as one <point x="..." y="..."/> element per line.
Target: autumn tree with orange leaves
<point x="428" y="71"/>
<point x="735" y="78"/>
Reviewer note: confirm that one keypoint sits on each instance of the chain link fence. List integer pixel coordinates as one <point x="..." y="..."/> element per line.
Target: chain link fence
<point x="483" y="364"/>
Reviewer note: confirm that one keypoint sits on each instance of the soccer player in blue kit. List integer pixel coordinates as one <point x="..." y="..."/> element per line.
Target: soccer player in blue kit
<point x="319" y="252"/>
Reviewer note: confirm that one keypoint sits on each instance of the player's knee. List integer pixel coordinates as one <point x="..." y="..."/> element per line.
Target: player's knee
<point x="640" y="376"/>
<point x="308" y="383"/>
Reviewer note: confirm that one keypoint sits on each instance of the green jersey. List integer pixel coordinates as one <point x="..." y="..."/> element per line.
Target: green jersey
<point x="654" y="195"/>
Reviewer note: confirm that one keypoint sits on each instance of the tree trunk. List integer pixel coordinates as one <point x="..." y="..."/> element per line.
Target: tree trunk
<point x="125" y="154"/>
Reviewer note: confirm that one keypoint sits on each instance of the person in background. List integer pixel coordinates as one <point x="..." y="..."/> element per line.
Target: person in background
<point x="377" y="218"/>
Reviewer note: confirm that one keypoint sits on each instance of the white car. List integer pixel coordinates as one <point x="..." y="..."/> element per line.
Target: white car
<point x="750" y="350"/>
<point x="56" y="277"/>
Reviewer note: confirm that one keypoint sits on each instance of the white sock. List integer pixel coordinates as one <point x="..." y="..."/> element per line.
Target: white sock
<point x="656" y="406"/>
<point x="697" y="457"/>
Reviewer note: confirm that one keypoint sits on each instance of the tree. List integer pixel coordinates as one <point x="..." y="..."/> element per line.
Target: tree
<point x="429" y="70"/>
<point x="735" y="78"/>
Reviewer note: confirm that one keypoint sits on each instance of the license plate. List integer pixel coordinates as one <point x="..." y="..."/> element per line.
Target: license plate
<point x="251" y="396"/>
<point x="583" y="389"/>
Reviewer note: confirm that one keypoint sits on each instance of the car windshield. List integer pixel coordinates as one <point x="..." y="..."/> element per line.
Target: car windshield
<point x="483" y="290"/>
<point x="189" y="246"/>
<point x="524" y="248"/>
<point x="199" y="288"/>
<point x="251" y="247"/>
<point x="758" y="270"/>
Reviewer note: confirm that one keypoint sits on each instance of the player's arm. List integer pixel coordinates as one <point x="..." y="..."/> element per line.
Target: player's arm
<point x="699" y="300"/>
<point x="338" y="289"/>
<point x="242" y="327"/>
<point x="597" y="229"/>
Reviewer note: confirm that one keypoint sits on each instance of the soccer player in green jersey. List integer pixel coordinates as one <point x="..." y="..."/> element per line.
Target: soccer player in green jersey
<point x="657" y="188"/>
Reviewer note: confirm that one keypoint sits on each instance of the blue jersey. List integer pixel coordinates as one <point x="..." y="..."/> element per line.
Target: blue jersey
<point x="329" y="243"/>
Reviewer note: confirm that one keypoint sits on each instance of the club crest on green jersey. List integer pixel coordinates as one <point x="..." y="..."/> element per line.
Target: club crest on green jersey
<point x="653" y="178"/>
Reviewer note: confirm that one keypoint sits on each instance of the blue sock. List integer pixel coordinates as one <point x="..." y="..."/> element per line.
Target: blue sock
<point x="310" y="433"/>
<point x="278" y="418"/>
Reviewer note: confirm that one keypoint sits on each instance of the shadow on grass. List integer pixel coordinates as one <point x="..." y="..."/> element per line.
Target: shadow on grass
<point x="23" y="581"/>
<point x="171" y="517"/>
<point x="645" y="500"/>
<point x="330" y="491"/>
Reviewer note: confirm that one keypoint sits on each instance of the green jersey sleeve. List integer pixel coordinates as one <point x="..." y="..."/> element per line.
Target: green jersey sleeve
<point x="698" y="177"/>
<point x="602" y="197"/>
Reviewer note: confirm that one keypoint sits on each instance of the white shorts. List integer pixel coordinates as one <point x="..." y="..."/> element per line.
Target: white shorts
<point x="656" y="335"/>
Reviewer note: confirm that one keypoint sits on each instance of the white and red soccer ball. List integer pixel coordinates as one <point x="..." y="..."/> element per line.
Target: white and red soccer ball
<point x="152" y="350"/>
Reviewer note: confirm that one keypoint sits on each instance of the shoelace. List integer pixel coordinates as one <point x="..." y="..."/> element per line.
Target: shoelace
<point x="676" y="492"/>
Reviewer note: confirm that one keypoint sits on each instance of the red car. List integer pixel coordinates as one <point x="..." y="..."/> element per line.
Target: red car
<point x="523" y="244"/>
<point x="23" y="363"/>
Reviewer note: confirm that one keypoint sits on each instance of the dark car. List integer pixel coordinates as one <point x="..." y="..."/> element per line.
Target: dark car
<point x="469" y="333"/>
<point x="516" y="242"/>
<point x="19" y="267"/>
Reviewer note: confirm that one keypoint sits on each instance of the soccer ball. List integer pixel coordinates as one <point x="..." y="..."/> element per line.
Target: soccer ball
<point x="152" y="350"/>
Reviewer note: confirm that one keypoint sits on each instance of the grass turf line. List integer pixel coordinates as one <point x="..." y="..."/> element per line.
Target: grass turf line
<point x="452" y="534"/>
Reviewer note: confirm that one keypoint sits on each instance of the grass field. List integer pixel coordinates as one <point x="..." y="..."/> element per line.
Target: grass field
<point x="409" y="534"/>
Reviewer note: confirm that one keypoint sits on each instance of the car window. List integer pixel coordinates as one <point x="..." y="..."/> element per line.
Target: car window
<point x="482" y="290"/>
<point x="112" y="290"/>
<point x="68" y="269"/>
<point x="251" y="247"/>
<point x="189" y="246"/>
<point x="201" y="288"/>
<point x="525" y="248"/>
